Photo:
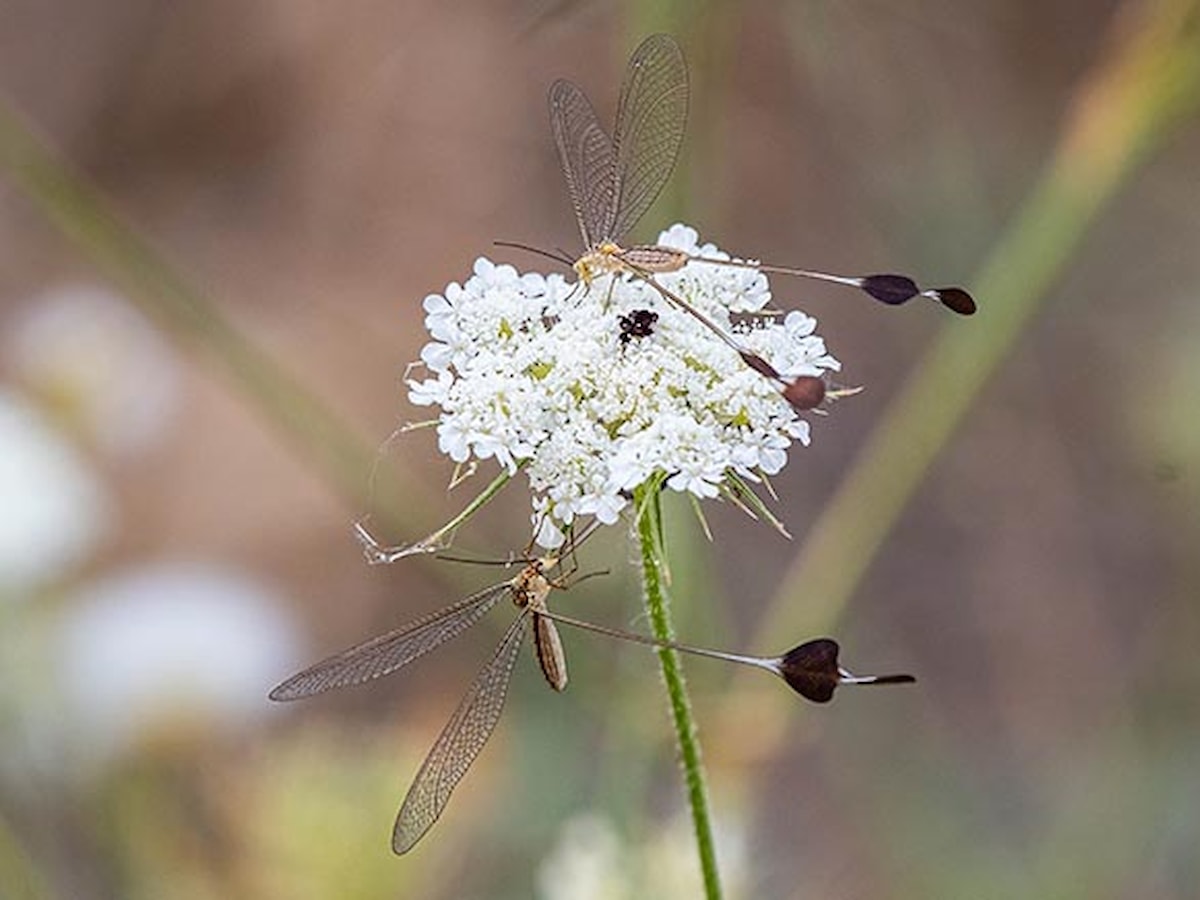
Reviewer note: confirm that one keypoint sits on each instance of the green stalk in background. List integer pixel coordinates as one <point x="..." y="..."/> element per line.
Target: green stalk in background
<point x="86" y="219"/>
<point x="1127" y="107"/>
<point x="18" y="870"/>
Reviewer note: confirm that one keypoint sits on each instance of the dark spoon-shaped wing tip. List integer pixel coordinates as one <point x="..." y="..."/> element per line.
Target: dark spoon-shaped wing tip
<point x="897" y="289"/>
<point x="805" y="392"/>
<point x="956" y="300"/>
<point x="889" y="679"/>
<point x="811" y="670"/>
<point x="890" y="289"/>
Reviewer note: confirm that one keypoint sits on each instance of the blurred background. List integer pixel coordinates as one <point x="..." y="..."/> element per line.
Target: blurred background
<point x="175" y="534"/>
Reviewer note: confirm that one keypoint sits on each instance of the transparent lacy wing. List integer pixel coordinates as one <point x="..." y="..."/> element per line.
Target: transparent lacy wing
<point x="388" y="652"/>
<point x="459" y="743"/>
<point x="651" y="118"/>
<point x="587" y="158"/>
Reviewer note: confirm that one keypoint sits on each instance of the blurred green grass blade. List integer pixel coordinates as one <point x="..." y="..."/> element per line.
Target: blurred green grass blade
<point x="1144" y="87"/>
<point x="1130" y="104"/>
<point x="18" y="872"/>
<point x="84" y="216"/>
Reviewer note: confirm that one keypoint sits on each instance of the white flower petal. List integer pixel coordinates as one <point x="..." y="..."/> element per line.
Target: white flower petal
<point x="534" y="370"/>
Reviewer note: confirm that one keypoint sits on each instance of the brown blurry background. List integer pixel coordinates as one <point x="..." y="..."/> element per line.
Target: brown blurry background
<point x="316" y="170"/>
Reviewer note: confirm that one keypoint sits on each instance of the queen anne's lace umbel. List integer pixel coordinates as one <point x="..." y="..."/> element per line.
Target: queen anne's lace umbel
<point x="537" y="372"/>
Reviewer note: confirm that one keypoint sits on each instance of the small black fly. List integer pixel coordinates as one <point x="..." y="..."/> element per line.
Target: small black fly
<point x="638" y="324"/>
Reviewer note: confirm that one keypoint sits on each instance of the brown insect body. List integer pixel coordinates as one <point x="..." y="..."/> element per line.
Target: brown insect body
<point x="548" y="646"/>
<point x="530" y="590"/>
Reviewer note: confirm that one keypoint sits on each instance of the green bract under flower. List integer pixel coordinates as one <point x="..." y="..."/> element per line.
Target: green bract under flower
<point x="534" y="371"/>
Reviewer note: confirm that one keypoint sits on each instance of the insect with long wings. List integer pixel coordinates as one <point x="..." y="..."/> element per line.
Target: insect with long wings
<point x="811" y="669"/>
<point x="479" y="711"/>
<point x="613" y="180"/>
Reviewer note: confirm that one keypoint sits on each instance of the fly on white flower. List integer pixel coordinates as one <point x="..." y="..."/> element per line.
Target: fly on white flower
<point x="539" y="376"/>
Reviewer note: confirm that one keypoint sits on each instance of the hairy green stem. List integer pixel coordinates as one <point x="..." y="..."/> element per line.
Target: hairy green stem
<point x="658" y="609"/>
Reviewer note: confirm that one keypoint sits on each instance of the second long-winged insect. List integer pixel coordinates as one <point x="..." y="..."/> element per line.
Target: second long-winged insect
<point x="475" y="719"/>
<point x="811" y="669"/>
<point x="613" y="179"/>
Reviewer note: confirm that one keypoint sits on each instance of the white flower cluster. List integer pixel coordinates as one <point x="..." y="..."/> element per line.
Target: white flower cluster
<point x="534" y="371"/>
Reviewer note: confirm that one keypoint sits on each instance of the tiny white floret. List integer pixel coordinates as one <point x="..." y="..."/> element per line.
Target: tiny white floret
<point x="543" y="375"/>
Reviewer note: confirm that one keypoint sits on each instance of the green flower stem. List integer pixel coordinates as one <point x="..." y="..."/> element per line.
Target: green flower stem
<point x="85" y="218"/>
<point x="658" y="608"/>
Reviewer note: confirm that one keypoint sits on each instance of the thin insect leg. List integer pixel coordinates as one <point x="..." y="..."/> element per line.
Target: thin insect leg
<point x="612" y="283"/>
<point x="579" y="286"/>
<point x="570" y="540"/>
<point x="586" y="575"/>
<point x="563" y="579"/>
<point x="537" y="528"/>
<point x="566" y="572"/>
<point x="512" y="560"/>
<point x="376" y="463"/>
<point x="558" y="255"/>
<point x="377" y="553"/>
<point x="681" y="304"/>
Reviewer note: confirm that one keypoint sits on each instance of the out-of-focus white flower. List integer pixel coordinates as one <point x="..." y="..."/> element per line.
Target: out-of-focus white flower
<point x="590" y="861"/>
<point x="96" y="363"/>
<point x="586" y="863"/>
<point x="52" y="510"/>
<point x="669" y="866"/>
<point x="168" y="644"/>
<point x="534" y="372"/>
